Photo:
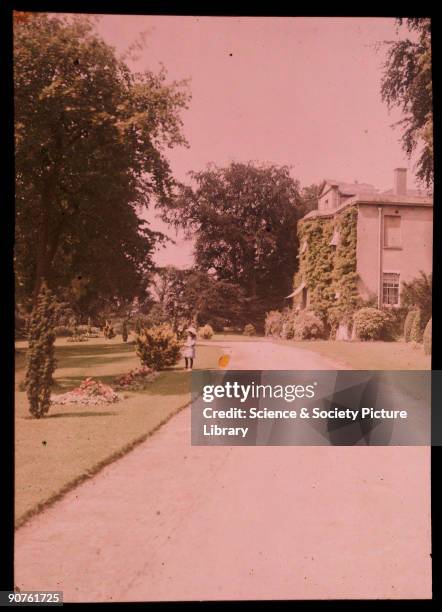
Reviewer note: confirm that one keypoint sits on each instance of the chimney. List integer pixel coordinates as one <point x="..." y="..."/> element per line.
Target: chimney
<point x="400" y="181"/>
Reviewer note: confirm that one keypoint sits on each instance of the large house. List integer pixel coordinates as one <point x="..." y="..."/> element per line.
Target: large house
<point x="394" y="231"/>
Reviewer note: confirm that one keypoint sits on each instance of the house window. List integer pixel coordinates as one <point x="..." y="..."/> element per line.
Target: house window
<point x="390" y="288"/>
<point x="392" y="232"/>
<point x="335" y="238"/>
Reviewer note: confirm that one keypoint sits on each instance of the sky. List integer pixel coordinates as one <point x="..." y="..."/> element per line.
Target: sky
<point x="303" y="92"/>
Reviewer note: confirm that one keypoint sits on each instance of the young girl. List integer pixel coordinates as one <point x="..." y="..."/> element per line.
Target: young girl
<point x="189" y="348"/>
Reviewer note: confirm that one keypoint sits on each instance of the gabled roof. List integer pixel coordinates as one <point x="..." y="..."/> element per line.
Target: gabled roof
<point x="349" y="189"/>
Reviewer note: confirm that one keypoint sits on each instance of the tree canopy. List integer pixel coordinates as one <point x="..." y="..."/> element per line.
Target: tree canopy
<point x="407" y="85"/>
<point x="243" y="218"/>
<point x="91" y="138"/>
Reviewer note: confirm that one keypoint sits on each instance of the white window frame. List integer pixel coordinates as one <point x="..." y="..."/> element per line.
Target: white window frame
<point x="398" y="274"/>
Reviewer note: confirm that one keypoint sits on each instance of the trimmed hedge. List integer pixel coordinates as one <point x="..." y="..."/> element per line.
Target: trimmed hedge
<point x="427" y="338"/>
<point x="206" y="332"/>
<point x="371" y="324"/>
<point x="249" y="330"/>
<point x="158" y="347"/>
<point x="416" y="332"/>
<point x="408" y="324"/>
<point x="307" y="326"/>
<point x="273" y="323"/>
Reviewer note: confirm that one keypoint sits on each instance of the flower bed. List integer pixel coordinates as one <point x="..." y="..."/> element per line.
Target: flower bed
<point x="78" y="338"/>
<point x="90" y="392"/>
<point x="135" y="380"/>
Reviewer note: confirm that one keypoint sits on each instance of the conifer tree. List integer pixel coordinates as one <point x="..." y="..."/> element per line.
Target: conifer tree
<point x="124" y="331"/>
<point x="40" y="359"/>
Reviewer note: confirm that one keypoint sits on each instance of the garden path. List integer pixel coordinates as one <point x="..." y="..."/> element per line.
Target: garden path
<point x="174" y="522"/>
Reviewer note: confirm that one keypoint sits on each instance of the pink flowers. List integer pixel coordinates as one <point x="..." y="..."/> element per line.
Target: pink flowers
<point x="90" y="392"/>
<point x="136" y="379"/>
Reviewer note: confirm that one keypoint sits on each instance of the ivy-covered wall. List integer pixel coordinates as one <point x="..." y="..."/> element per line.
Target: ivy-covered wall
<point x="328" y="270"/>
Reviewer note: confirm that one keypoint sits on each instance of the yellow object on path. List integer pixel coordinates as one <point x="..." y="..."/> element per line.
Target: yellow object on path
<point x="223" y="361"/>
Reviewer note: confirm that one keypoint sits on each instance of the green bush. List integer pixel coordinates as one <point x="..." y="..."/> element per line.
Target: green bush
<point x="40" y="358"/>
<point x="124" y="332"/>
<point x="108" y="331"/>
<point x="206" y="332"/>
<point x="427" y="338"/>
<point x="158" y="347"/>
<point x="416" y="331"/>
<point x="396" y="320"/>
<point x="288" y="319"/>
<point x="418" y="294"/>
<point x="372" y="324"/>
<point x="307" y="326"/>
<point x="408" y="323"/>
<point x="249" y="330"/>
<point x="273" y="323"/>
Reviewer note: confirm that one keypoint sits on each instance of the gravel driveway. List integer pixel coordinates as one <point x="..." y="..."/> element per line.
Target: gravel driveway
<point x="174" y="522"/>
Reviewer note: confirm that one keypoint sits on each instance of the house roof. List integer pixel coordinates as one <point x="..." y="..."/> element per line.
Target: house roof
<point x="349" y="188"/>
<point x="374" y="199"/>
<point x="364" y="193"/>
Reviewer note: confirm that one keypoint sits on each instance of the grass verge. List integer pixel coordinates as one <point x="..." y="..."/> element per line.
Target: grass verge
<point x="370" y="355"/>
<point x="71" y="444"/>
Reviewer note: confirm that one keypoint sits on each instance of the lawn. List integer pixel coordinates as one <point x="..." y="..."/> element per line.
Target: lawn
<point x="232" y="337"/>
<point x="356" y="355"/>
<point x="370" y="355"/>
<point x="57" y="452"/>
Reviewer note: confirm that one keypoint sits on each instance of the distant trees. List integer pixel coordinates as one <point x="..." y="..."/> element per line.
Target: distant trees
<point x="90" y="153"/>
<point x="180" y="296"/>
<point x="407" y="84"/>
<point x="244" y="219"/>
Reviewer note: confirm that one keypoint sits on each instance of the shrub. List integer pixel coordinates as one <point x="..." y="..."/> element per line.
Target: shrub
<point x="427" y="338"/>
<point x="249" y="330"/>
<point x="158" y="347"/>
<point x="418" y="294"/>
<point x="137" y="379"/>
<point x="40" y="359"/>
<point x="124" y="331"/>
<point x="371" y="324"/>
<point x="307" y="326"/>
<point x="206" y="332"/>
<point x="396" y="320"/>
<point x="108" y="331"/>
<point x="62" y="331"/>
<point x="288" y="319"/>
<point x="408" y="323"/>
<point x="416" y="332"/>
<point x="92" y="334"/>
<point x="273" y="323"/>
<point x="78" y="338"/>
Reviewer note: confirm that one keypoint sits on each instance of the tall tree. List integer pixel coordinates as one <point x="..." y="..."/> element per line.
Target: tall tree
<point x="244" y="219"/>
<point x="407" y="85"/>
<point x="90" y="154"/>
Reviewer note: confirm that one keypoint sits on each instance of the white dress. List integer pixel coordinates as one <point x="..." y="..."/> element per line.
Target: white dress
<point x="189" y="348"/>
